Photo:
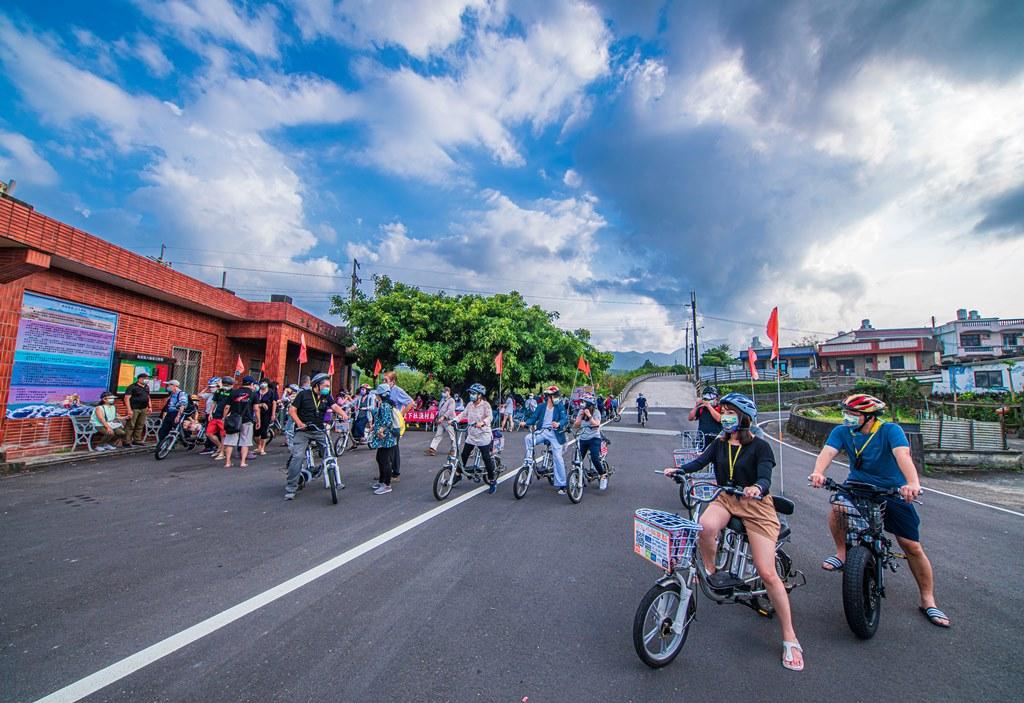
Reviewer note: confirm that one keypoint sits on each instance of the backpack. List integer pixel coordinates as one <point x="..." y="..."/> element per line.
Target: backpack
<point x="399" y="421"/>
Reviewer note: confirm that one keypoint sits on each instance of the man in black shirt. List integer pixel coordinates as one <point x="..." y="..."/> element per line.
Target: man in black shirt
<point x="708" y="415"/>
<point x="138" y="406"/>
<point x="240" y="404"/>
<point x="307" y="412"/>
<point x="215" y="424"/>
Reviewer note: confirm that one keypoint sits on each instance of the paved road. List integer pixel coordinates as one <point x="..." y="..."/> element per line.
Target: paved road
<point x="661" y="392"/>
<point x="492" y="600"/>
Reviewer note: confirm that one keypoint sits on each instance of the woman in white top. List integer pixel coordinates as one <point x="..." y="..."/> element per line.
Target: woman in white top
<point x="479" y="436"/>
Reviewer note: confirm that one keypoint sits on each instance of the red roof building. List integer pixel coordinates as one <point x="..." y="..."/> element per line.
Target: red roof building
<point x="79" y="315"/>
<point x="868" y="349"/>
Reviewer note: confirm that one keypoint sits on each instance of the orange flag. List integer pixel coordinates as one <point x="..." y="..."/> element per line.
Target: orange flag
<point x="239" y="366"/>
<point x="303" y="358"/>
<point x="499" y="362"/>
<point x="376" y="369"/>
<point x="330" y="369"/>
<point x="583" y="366"/>
<point x="772" y="330"/>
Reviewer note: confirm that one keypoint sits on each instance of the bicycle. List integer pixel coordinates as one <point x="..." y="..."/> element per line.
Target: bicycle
<point x="344" y="439"/>
<point x="693" y="445"/>
<point x="642" y="416"/>
<point x="328" y="466"/>
<point x="189" y="439"/>
<point x="662" y="621"/>
<point x="861" y="511"/>
<point x="476" y="472"/>
<point x="524" y="477"/>
<point x="584" y="468"/>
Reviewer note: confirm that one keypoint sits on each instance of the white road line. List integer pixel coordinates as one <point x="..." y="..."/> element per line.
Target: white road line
<point x="129" y="665"/>
<point x="928" y="490"/>
<point x="641" y="430"/>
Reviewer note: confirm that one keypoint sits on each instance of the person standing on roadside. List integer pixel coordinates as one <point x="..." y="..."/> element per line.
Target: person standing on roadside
<point x="138" y="405"/>
<point x="266" y="407"/>
<point x="403" y="403"/>
<point x="384" y="438"/>
<point x="240" y="404"/>
<point x="443" y="423"/>
<point x="215" y="424"/>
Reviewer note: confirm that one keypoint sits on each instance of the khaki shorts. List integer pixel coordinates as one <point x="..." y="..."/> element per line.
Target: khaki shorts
<point x="242" y="438"/>
<point x="758" y="516"/>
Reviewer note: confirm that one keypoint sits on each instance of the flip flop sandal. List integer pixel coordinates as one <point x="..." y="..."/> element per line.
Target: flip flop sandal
<point x="832" y="563"/>
<point x="787" y="656"/>
<point x="936" y="616"/>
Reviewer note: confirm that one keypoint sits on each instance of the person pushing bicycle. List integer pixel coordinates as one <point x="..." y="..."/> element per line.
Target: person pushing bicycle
<point x="743" y="460"/>
<point x="879" y="455"/>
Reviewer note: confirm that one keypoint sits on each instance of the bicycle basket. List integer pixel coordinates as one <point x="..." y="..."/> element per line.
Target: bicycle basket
<point x="664" y="539"/>
<point x="857" y="517"/>
<point x="703" y="491"/>
<point x="693" y="441"/>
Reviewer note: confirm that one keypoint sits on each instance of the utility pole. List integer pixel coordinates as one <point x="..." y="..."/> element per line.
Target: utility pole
<point x="696" y="348"/>
<point x="686" y="347"/>
<point x="355" y="279"/>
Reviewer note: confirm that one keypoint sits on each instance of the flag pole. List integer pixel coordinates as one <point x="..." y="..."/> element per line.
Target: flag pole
<point x="778" y="391"/>
<point x="298" y="379"/>
<point x="501" y="373"/>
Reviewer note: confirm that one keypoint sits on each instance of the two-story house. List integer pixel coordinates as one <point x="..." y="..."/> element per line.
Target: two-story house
<point x="971" y="337"/>
<point x="867" y="350"/>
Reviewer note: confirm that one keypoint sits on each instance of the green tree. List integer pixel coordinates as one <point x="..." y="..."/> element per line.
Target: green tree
<point x="717" y="356"/>
<point x="456" y="338"/>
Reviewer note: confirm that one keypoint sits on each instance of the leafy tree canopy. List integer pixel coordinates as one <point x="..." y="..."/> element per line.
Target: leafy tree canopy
<point x="455" y="338"/>
<point x="717" y="356"/>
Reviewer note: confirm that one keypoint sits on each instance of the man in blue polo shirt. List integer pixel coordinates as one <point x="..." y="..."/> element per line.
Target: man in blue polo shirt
<point x="879" y="455"/>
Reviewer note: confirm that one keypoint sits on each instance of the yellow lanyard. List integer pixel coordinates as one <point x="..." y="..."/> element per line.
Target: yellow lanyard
<point x="732" y="459"/>
<point x="874" y="430"/>
<point x="316" y="404"/>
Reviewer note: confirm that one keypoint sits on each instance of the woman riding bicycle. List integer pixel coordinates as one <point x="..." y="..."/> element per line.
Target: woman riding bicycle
<point x="478" y="435"/>
<point x="588" y="422"/>
<point x="743" y="460"/>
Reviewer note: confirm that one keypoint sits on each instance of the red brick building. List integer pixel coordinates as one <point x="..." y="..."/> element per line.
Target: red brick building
<point x="160" y="313"/>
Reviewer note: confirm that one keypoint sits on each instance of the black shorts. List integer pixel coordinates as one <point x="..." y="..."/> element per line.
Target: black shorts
<point x="902" y="520"/>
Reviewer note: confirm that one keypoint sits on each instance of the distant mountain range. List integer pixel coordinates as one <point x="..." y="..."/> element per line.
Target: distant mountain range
<point x="629" y="360"/>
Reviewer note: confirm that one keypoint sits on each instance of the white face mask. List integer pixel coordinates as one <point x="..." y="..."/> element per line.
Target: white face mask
<point x="110" y="401"/>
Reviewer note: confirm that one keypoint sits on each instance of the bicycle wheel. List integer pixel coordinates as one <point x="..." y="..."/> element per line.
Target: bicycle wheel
<point x="521" y="483"/>
<point x="332" y="477"/>
<point x="165" y="446"/>
<point x="861" y="599"/>
<point x="653" y="638"/>
<point x="443" y="482"/>
<point x="574" y="485"/>
<point x="341" y="444"/>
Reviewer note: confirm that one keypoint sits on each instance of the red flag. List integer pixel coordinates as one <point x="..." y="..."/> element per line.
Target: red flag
<point x="263" y="367"/>
<point x="772" y="330"/>
<point x="376" y="369"/>
<point x="752" y="362"/>
<point x="330" y="369"/>
<point x="239" y="366"/>
<point x="499" y="362"/>
<point x="303" y="358"/>
<point x="583" y="366"/>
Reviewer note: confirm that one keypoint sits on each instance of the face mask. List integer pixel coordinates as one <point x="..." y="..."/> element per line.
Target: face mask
<point x="109" y="401"/>
<point x="473" y="397"/>
<point x="850" y="420"/>
<point x="325" y="391"/>
<point x="730" y="423"/>
<point x="264" y="386"/>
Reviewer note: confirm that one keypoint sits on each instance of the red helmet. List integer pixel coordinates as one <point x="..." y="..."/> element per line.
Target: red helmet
<point x="862" y="403"/>
<point x="551" y="390"/>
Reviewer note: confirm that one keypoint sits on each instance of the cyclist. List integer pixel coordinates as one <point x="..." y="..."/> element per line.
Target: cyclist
<point x="743" y="460"/>
<point x="549" y="420"/>
<point x="615" y="406"/>
<point x="307" y="412"/>
<point x="588" y="422"/>
<point x="879" y="454"/>
<point x="707" y="414"/>
<point x="478" y="417"/>
<point x="641" y="408"/>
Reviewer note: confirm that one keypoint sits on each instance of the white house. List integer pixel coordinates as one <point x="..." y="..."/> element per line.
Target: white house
<point x="982" y="377"/>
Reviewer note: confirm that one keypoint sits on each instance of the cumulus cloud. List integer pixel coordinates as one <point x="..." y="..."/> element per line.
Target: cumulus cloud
<point x="198" y="21"/>
<point x="572" y="178"/>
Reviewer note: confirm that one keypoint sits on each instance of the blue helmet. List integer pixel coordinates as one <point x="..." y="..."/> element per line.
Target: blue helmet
<point x="478" y="388"/>
<point x="742" y="403"/>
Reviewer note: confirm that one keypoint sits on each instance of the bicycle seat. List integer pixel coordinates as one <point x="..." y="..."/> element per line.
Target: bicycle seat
<point x="783" y="506"/>
<point x="736" y="525"/>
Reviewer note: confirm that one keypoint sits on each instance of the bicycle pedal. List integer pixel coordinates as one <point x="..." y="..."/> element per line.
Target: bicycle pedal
<point x="898" y="555"/>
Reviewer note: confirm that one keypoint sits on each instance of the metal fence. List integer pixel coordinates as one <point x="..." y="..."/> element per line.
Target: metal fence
<point x="946" y="432"/>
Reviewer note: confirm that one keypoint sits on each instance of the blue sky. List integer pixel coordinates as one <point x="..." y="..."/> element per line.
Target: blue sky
<point x="841" y="160"/>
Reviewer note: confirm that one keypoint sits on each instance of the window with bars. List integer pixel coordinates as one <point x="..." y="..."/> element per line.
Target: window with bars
<point x="187" y="363"/>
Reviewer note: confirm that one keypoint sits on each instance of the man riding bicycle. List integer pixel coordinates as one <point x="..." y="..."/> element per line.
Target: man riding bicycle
<point x="641" y="408"/>
<point x="743" y="460"/>
<point x="588" y="422"/>
<point x="548" y="421"/>
<point x="307" y="412"/>
<point x="879" y="455"/>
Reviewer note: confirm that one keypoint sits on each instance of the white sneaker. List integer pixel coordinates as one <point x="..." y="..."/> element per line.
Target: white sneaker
<point x="603" y="484"/>
<point x="382" y="490"/>
<point x="376" y="485"/>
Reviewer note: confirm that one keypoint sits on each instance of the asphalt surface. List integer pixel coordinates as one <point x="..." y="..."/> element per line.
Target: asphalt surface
<point x="492" y="600"/>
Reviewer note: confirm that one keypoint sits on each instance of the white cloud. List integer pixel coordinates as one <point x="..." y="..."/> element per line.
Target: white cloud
<point x="20" y="160"/>
<point x="150" y="53"/>
<point x="572" y="178"/>
<point x="195" y="21"/>
<point x="421" y="27"/>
